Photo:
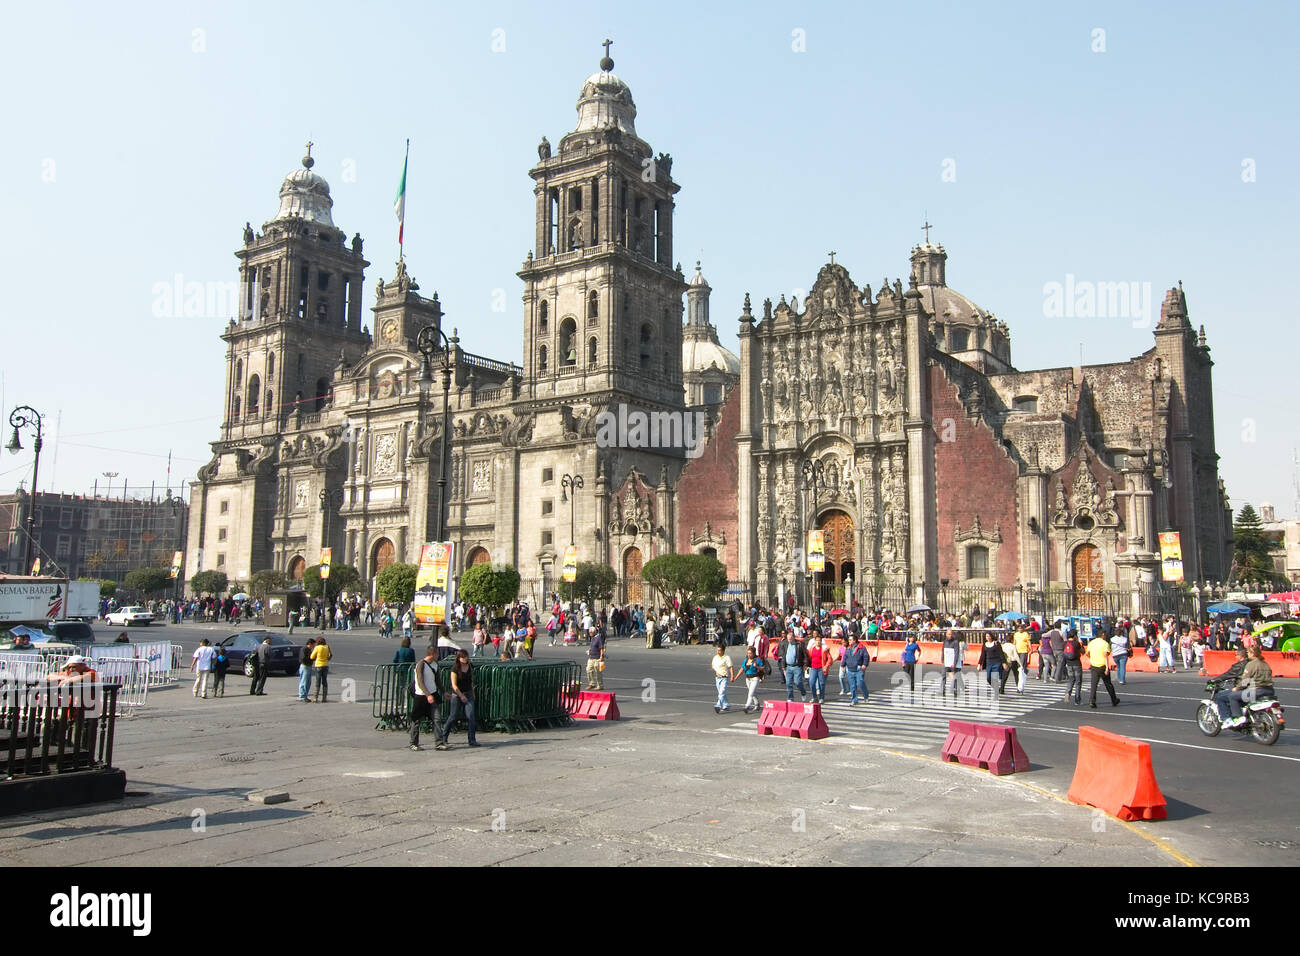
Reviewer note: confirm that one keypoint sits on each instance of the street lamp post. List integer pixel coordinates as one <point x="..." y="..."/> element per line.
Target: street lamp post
<point x="329" y="500"/>
<point x="814" y="473"/>
<point x="571" y="483"/>
<point x="426" y="341"/>
<point x="24" y="416"/>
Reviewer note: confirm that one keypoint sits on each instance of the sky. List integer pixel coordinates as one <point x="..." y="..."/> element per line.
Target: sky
<point x="1046" y="143"/>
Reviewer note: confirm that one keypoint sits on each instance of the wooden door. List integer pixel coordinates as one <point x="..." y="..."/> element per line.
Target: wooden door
<point x="1089" y="578"/>
<point x="632" y="587"/>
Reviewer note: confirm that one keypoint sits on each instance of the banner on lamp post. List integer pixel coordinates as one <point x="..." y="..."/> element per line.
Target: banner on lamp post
<point x="816" y="551"/>
<point x="325" y="555"/>
<point x="176" y="564"/>
<point x="570" y="572"/>
<point x="1171" y="557"/>
<point x="432" y="583"/>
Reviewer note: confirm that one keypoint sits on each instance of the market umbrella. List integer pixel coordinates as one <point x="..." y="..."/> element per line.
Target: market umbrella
<point x="241" y="596"/>
<point x="918" y="609"/>
<point x="1012" y="616"/>
<point x="1228" y="607"/>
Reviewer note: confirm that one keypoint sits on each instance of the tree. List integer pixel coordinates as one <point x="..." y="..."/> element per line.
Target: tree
<point x="149" y="580"/>
<point x="263" y="582"/>
<point x="594" y="582"/>
<point x="107" y="588"/>
<point x="489" y="585"/>
<point x="343" y="577"/>
<point x="396" y="583"/>
<point x="209" y="582"/>
<point x="1251" y="560"/>
<point x="692" y="578"/>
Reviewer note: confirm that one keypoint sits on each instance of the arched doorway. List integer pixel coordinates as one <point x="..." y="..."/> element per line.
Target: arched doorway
<point x="381" y="556"/>
<point x="1089" y="579"/>
<point x="296" y="568"/>
<point x="837" y="530"/>
<point x="477" y="556"/>
<point x="633" y="590"/>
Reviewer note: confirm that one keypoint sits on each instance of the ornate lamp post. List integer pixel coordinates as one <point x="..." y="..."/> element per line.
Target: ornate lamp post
<point x="427" y="343"/>
<point x="571" y="483"/>
<point x="329" y="500"/>
<point x="814" y="475"/>
<point x="24" y="416"/>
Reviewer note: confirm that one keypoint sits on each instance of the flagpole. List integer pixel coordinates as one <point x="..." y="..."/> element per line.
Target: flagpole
<point x="401" y="229"/>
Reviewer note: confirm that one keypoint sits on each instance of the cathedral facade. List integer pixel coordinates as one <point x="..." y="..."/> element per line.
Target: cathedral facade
<point x="332" y="437"/>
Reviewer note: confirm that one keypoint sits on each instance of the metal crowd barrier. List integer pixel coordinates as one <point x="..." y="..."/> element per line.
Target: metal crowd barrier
<point x="23" y="666"/>
<point x="130" y="674"/>
<point x="49" y="727"/>
<point x="508" y="695"/>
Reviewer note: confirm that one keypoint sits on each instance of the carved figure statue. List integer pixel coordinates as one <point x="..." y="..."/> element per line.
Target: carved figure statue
<point x="544" y="149"/>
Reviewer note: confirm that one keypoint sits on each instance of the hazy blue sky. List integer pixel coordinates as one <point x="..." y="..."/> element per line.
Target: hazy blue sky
<point x="142" y="136"/>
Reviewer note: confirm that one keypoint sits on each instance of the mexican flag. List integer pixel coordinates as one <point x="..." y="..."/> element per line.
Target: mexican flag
<point x="399" y="205"/>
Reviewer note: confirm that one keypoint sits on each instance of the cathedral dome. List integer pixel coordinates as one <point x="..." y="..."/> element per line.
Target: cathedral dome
<point x="305" y="195"/>
<point x="702" y="354"/>
<point x="606" y="101"/>
<point x="950" y="305"/>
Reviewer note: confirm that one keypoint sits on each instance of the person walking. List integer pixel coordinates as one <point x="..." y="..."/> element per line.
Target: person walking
<point x="792" y="656"/>
<point x="1119" y="652"/>
<point x="816" y="672"/>
<point x="1021" y="640"/>
<point x="293" y="620"/>
<point x="992" y="659"/>
<point x="1099" y="661"/>
<point x="408" y="622"/>
<point x="320" y="665"/>
<point x="405" y="654"/>
<point x="462" y="700"/>
<point x="1166" y="641"/>
<point x="723" y="673"/>
<point x="1011" y="667"/>
<point x="752" y="668"/>
<point x="1185" y="643"/>
<point x="910" y="655"/>
<point x="1048" y="650"/>
<point x="424" y="694"/>
<point x="304" y="671"/>
<point x="1071" y="654"/>
<point x="954" y="659"/>
<point x="261" y="668"/>
<point x="479" y="639"/>
<point x="254" y="661"/>
<point x="596" y="660"/>
<point x="856" y="660"/>
<point x="201" y="665"/>
<point x="220" y="665"/>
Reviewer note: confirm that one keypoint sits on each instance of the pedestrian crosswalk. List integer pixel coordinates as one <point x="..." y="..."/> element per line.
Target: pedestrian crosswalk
<point x="900" y="720"/>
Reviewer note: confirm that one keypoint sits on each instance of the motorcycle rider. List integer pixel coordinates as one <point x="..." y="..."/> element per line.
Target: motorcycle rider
<point x="1254" y="681"/>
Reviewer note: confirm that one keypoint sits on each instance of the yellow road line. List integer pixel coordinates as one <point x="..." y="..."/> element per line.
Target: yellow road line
<point x="1158" y="842"/>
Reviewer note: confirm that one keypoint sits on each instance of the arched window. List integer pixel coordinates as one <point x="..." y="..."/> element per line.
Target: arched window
<point x="591" y="351"/>
<point x="254" y="393"/>
<point x="541" y="359"/>
<point x="239" y="371"/>
<point x="270" y="400"/>
<point x="647" y="339"/>
<point x="960" y="340"/>
<point x="593" y="305"/>
<point x="301" y="359"/>
<point x="322" y="394"/>
<point x="236" y="415"/>
<point x="543" y="322"/>
<point x="568" y="342"/>
<point x="270" y="366"/>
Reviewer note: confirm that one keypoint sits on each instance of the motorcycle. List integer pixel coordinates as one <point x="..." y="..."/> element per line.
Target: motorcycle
<point x="1264" y="718"/>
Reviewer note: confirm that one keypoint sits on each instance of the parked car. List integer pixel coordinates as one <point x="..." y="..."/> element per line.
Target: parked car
<point x="285" y="654"/>
<point x="126" y="616"/>
<point x="72" y="632"/>
<point x="1279" y="635"/>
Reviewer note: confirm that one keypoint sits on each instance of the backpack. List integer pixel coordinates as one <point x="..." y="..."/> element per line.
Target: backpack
<point x="1071" y="649"/>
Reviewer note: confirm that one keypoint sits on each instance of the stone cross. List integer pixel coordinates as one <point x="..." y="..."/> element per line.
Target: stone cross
<point x="927" y="227"/>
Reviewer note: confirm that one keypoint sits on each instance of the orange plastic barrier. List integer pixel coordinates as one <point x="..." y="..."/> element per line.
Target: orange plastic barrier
<point x="1281" y="663"/>
<point x="783" y="718"/>
<point x="596" y="705"/>
<point x="1114" y="774"/>
<point x="990" y="747"/>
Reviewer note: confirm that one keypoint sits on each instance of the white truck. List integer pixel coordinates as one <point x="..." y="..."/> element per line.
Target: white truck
<point x="34" y="600"/>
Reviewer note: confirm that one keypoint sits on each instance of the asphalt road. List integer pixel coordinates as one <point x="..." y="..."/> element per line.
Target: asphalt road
<point x="1230" y="801"/>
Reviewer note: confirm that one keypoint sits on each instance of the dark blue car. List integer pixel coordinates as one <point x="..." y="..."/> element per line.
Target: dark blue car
<point x="285" y="654"/>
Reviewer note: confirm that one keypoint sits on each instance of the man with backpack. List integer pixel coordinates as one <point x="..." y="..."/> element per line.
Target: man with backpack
<point x="1071" y="653"/>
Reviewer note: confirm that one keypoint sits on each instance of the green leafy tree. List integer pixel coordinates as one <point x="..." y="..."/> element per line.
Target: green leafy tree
<point x="149" y="580"/>
<point x="489" y="585"/>
<point x="396" y="583"/>
<point x="1251" y="560"/>
<point x="107" y="588"/>
<point x="209" y="582"/>
<point x="263" y="582"/>
<point x="594" y="582"/>
<point x="692" y="578"/>
<point x="343" y="577"/>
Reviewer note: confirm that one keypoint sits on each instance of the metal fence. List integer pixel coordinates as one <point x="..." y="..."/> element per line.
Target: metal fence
<point x="130" y="674"/>
<point x="508" y="695"/>
<point x="47" y="727"/>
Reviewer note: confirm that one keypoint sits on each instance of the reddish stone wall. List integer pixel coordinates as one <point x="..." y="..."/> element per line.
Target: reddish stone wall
<point x="973" y="476"/>
<point x="708" y="489"/>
